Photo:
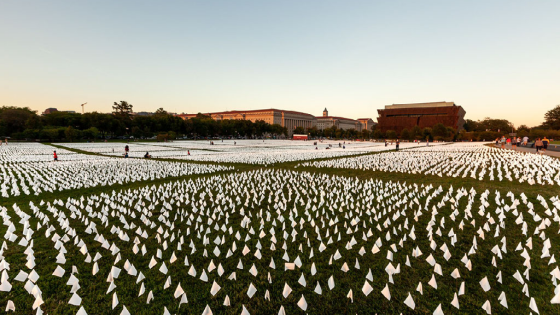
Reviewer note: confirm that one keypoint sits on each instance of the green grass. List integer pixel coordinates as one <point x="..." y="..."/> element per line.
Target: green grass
<point x="96" y="301"/>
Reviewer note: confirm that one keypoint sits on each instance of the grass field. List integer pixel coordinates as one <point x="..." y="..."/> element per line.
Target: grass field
<point x="285" y="209"/>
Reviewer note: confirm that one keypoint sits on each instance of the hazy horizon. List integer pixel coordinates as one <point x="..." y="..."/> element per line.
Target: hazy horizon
<point x="497" y="59"/>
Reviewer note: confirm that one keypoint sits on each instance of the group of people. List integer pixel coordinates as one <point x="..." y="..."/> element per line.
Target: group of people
<point x="126" y="149"/>
<point x="541" y="145"/>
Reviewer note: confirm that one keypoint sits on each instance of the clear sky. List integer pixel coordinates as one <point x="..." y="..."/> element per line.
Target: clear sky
<point x="495" y="58"/>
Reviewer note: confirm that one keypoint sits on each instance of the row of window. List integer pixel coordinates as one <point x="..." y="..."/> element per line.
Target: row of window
<point x="418" y="115"/>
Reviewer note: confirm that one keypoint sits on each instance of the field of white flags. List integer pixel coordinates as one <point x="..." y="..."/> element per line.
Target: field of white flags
<point x="282" y="242"/>
<point x="462" y="160"/>
<point x="240" y="151"/>
<point x="30" y="169"/>
<point x="331" y="233"/>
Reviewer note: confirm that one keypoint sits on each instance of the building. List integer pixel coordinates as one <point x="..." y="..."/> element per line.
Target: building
<point x="50" y="110"/>
<point x="367" y="123"/>
<point x="145" y="114"/>
<point x="285" y="118"/>
<point x="326" y="121"/>
<point x="406" y="116"/>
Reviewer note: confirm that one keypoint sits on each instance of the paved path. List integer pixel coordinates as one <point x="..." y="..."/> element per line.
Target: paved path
<point x="534" y="151"/>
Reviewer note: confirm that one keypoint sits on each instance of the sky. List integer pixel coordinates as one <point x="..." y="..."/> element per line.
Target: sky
<point x="498" y="59"/>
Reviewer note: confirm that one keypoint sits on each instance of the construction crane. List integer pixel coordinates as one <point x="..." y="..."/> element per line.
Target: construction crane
<point x="83" y="107"/>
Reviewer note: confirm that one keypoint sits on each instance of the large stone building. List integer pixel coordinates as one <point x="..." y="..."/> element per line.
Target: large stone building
<point x="326" y="121"/>
<point x="367" y="123"/>
<point x="286" y="118"/>
<point x="405" y="116"/>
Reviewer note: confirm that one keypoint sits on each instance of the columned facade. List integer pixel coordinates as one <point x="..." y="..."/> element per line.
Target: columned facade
<point x="285" y="118"/>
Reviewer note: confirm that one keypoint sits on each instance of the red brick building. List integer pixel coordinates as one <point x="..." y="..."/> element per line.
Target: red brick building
<point x="405" y="116"/>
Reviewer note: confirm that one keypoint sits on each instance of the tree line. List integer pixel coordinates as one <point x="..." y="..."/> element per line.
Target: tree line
<point x="26" y="124"/>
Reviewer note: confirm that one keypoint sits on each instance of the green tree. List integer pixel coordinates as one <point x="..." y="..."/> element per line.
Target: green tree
<point x="416" y="132"/>
<point x="49" y="133"/>
<point x="439" y="131"/>
<point x="71" y="134"/>
<point x="160" y="112"/>
<point x="470" y="125"/>
<point x="136" y="132"/>
<point x="391" y="134"/>
<point x="147" y="133"/>
<point x="427" y="133"/>
<point x="552" y="118"/>
<point x="299" y="130"/>
<point x="90" y="133"/>
<point x="523" y="128"/>
<point x="405" y="134"/>
<point x="122" y="109"/>
<point x="501" y="125"/>
<point x="14" y="119"/>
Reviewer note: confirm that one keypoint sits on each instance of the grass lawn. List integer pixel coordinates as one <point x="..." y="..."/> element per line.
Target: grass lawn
<point x="251" y="193"/>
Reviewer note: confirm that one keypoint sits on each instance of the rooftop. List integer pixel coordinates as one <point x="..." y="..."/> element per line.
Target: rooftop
<point x="420" y="105"/>
<point x="334" y="117"/>
<point x="248" y="111"/>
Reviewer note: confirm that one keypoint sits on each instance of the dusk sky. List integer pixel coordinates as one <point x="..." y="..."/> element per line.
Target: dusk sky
<point x="495" y="58"/>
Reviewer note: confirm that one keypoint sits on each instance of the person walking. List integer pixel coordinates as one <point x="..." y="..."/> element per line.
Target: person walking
<point x="126" y="149"/>
<point x="514" y="143"/>
<point x="503" y="141"/>
<point x="545" y="142"/>
<point x="518" y="141"/>
<point x="398" y="142"/>
<point x="525" y="140"/>
<point x="539" y="144"/>
<point x="55" y="156"/>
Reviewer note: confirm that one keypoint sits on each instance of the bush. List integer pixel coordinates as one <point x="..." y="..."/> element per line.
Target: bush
<point x="391" y="134"/>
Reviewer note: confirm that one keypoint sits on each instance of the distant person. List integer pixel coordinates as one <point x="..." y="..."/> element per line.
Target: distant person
<point x="518" y="141"/>
<point x="397" y="145"/>
<point x="503" y="141"/>
<point x="188" y="152"/>
<point x="428" y="141"/>
<point x="513" y="143"/>
<point x="147" y="156"/>
<point x="126" y="155"/>
<point x="545" y="142"/>
<point x="126" y="149"/>
<point x="6" y="140"/>
<point x="55" y="156"/>
<point x="525" y="140"/>
<point x="538" y="144"/>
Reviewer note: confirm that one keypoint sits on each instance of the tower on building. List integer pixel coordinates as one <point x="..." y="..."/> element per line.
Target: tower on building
<point x="325" y="113"/>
